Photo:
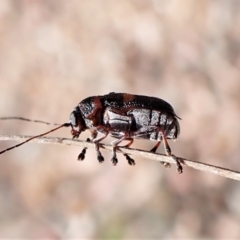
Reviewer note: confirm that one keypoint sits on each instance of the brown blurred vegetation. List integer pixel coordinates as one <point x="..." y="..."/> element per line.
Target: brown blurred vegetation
<point x="55" y="53"/>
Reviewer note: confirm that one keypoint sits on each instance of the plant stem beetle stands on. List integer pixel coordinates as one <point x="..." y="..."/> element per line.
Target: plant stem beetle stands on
<point x="124" y="117"/>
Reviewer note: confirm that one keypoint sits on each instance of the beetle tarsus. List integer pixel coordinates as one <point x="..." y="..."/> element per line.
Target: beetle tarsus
<point x="114" y="160"/>
<point x="166" y="164"/>
<point x="179" y="166"/>
<point x="100" y="158"/>
<point x="81" y="156"/>
<point x="99" y="155"/>
<point x="129" y="159"/>
<point x="179" y="169"/>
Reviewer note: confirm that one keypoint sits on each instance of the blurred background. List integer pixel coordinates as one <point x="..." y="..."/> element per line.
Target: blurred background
<point x="55" y="53"/>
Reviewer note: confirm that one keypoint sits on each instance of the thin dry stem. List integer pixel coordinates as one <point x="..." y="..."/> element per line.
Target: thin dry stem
<point x="136" y="152"/>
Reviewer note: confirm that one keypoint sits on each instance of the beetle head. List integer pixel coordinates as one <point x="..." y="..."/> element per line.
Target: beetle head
<point x="77" y="122"/>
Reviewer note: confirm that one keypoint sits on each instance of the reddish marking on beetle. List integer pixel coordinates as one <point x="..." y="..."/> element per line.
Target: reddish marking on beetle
<point x="128" y="97"/>
<point x="97" y="102"/>
<point x="97" y="117"/>
<point x="97" y="107"/>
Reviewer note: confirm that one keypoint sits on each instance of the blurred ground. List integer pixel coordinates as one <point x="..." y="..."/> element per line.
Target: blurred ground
<point x="55" y="53"/>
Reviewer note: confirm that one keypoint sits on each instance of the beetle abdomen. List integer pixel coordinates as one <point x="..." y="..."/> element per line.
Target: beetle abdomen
<point x="155" y="121"/>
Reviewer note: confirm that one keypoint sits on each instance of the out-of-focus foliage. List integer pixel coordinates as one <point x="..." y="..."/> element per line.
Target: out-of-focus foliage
<point x="55" y="53"/>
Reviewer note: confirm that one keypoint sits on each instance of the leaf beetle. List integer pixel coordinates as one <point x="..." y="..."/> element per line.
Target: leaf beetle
<point x="124" y="117"/>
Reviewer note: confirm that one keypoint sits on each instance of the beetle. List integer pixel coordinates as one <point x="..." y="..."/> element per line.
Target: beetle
<point x="124" y="117"/>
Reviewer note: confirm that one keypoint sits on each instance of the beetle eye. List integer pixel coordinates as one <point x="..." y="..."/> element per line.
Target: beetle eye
<point x="73" y="118"/>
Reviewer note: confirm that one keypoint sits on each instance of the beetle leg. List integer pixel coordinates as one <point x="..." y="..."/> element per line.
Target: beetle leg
<point x="98" y="140"/>
<point x="114" y="144"/>
<point x="154" y="149"/>
<point x="81" y="156"/>
<point x="129" y="159"/>
<point x="76" y="134"/>
<point x="99" y="155"/>
<point x="114" y="157"/>
<point x="169" y="153"/>
<point x="130" y="143"/>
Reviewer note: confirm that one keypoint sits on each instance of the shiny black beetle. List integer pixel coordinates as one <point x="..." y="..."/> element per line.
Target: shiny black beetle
<point x="125" y="117"/>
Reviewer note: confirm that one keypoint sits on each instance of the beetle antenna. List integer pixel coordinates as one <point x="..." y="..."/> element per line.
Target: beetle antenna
<point x="40" y="135"/>
<point x="28" y="120"/>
